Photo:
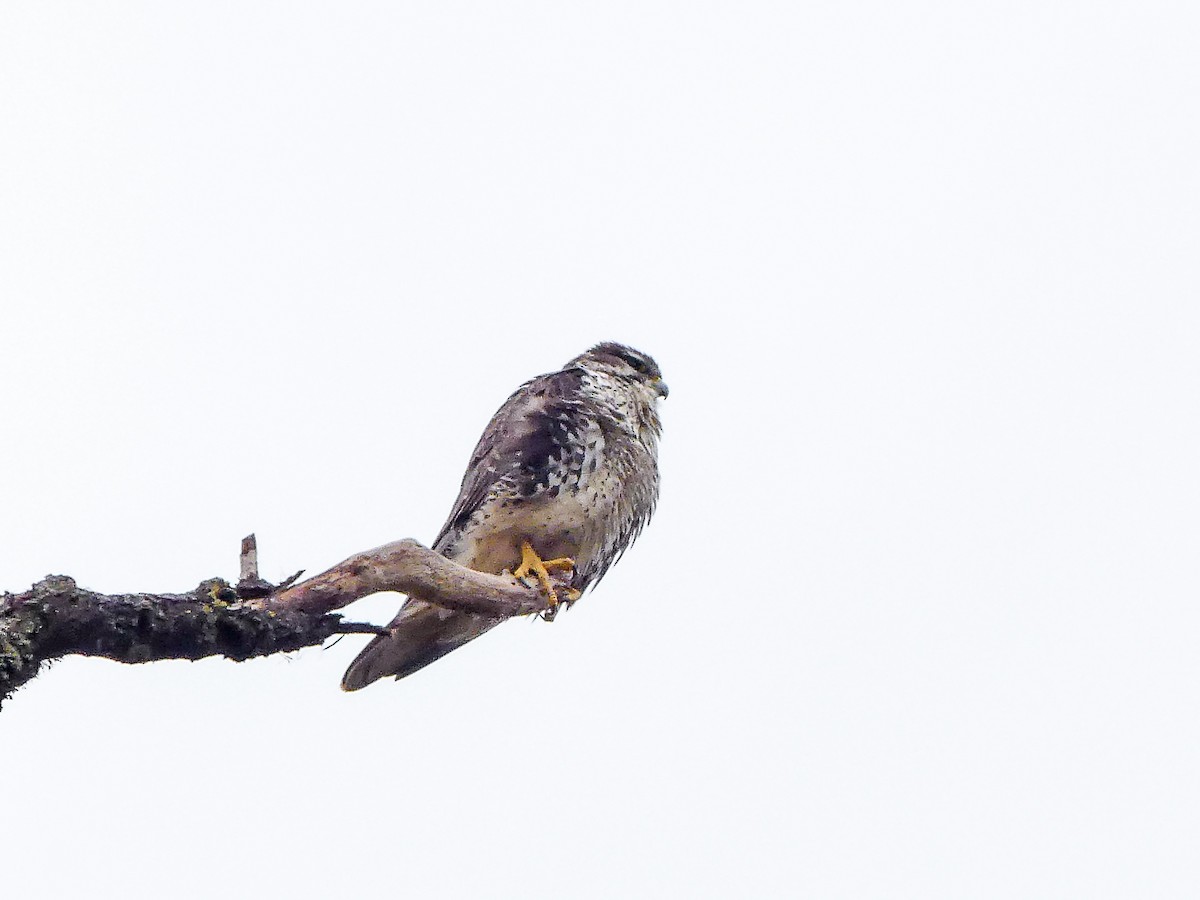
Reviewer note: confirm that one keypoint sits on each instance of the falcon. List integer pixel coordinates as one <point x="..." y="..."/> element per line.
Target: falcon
<point x="564" y="478"/>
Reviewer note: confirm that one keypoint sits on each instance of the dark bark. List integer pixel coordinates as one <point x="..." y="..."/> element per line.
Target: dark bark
<point x="58" y="618"/>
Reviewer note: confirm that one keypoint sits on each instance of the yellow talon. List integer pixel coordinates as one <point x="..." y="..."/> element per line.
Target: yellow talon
<point x="532" y="563"/>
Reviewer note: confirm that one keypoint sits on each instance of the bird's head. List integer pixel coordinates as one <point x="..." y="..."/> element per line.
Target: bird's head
<point x="626" y="363"/>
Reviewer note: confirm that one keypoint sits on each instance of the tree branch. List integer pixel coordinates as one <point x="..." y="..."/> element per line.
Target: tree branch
<point x="58" y="618"/>
<point x="409" y="568"/>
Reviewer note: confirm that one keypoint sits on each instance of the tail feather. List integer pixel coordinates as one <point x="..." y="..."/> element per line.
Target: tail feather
<point x="420" y="634"/>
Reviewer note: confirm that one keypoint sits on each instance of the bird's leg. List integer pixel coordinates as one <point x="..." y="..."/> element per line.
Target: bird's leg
<point x="531" y="563"/>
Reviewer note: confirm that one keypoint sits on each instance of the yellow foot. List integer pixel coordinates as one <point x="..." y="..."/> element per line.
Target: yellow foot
<point x="533" y="564"/>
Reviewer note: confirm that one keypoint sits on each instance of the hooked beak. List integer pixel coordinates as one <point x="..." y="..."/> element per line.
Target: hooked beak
<point x="661" y="387"/>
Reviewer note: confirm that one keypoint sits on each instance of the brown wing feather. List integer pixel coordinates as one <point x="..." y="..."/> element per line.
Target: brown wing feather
<point x="510" y="442"/>
<point x="511" y="445"/>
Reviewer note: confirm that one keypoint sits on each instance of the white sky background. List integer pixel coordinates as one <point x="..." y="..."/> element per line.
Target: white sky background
<point x="918" y="615"/>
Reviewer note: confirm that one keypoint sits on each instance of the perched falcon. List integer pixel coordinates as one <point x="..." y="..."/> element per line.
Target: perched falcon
<point x="564" y="477"/>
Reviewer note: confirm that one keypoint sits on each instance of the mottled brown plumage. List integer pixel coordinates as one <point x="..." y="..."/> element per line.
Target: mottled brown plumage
<point x="567" y="464"/>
